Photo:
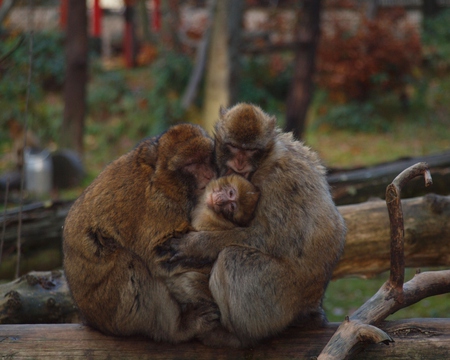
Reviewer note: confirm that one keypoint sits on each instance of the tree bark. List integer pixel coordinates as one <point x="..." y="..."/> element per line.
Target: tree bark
<point x="37" y="298"/>
<point x="301" y="91"/>
<point x="414" y="339"/>
<point x="358" y="185"/>
<point x="223" y="60"/>
<point x="427" y="234"/>
<point x="76" y="77"/>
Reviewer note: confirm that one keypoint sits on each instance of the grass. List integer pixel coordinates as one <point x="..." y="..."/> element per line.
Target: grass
<point x="342" y="148"/>
<point x="344" y="296"/>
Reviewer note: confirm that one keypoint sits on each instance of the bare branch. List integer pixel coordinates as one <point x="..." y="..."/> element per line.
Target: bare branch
<point x="393" y="295"/>
<point x="352" y="332"/>
<point x="393" y="202"/>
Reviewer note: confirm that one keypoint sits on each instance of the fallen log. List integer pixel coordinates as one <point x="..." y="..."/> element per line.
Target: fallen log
<point x="414" y="339"/>
<point x="358" y="185"/>
<point x="427" y="234"/>
<point x="37" y="298"/>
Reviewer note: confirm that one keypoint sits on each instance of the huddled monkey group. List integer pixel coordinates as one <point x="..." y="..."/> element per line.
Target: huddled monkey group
<point x="227" y="240"/>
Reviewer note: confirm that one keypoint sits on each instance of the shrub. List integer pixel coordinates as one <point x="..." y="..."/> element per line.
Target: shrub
<point x="377" y="56"/>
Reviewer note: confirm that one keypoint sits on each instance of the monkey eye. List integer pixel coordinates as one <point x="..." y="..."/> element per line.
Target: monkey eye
<point x="231" y="193"/>
<point x="234" y="149"/>
<point x="233" y="206"/>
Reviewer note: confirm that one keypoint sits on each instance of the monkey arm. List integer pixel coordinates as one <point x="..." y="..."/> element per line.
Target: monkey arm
<point x="200" y="247"/>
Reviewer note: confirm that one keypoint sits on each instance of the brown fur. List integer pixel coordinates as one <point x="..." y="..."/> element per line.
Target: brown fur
<point x="192" y="286"/>
<point x="206" y="217"/>
<point x="114" y="228"/>
<point x="275" y="271"/>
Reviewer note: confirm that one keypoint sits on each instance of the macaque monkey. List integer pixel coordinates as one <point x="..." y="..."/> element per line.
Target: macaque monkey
<point x="114" y="228"/>
<point x="227" y="202"/>
<point x="274" y="272"/>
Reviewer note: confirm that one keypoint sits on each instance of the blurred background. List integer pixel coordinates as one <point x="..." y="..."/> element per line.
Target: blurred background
<point x="362" y="82"/>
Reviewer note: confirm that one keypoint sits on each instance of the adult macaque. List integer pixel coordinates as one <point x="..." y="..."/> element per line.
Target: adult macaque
<point x="227" y="202"/>
<point x="274" y="272"/>
<point x="113" y="229"/>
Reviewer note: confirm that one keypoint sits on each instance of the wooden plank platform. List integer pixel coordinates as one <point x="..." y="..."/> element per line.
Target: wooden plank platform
<point x="75" y="341"/>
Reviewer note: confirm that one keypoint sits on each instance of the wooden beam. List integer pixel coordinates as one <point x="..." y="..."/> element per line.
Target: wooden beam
<point x="414" y="339"/>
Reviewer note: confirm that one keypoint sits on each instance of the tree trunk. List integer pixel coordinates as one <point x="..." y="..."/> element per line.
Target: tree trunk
<point x="223" y="62"/>
<point x="302" y="87"/>
<point x="76" y="77"/>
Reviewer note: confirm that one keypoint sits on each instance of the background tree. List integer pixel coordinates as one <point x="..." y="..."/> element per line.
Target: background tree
<point x="301" y="90"/>
<point x="76" y="77"/>
<point x="223" y="61"/>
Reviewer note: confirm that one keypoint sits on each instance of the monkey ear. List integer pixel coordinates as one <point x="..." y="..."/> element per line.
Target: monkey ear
<point x="148" y="151"/>
<point x="222" y="111"/>
<point x="272" y="123"/>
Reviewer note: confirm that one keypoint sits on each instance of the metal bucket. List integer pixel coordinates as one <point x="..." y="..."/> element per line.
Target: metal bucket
<point x="38" y="172"/>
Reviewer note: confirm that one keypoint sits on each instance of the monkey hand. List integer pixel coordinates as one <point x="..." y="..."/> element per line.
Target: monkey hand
<point x="190" y="251"/>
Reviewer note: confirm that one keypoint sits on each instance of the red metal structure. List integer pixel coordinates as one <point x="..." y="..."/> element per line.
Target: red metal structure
<point x="156" y="15"/>
<point x="63" y="9"/>
<point x="96" y="19"/>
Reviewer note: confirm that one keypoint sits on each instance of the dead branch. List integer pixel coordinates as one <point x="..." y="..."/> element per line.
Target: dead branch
<point x="38" y="297"/>
<point x="393" y="295"/>
<point x="393" y="201"/>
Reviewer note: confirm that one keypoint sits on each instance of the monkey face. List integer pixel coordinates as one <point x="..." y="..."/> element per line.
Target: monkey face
<point x="186" y="154"/>
<point x="244" y="134"/>
<point x="232" y="197"/>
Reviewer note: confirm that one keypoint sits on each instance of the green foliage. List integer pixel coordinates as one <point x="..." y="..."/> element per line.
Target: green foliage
<point x="354" y="116"/>
<point x="170" y="75"/>
<point x="344" y="296"/>
<point x="47" y="74"/>
<point x="436" y="41"/>
<point x="146" y="99"/>
<point x="265" y="81"/>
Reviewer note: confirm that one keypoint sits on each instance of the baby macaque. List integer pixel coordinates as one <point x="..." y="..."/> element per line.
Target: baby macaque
<point x="227" y="202"/>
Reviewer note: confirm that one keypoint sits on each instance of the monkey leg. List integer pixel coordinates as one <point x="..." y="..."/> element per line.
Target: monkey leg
<point x="120" y="296"/>
<point x="190" y="287"/>
<point x="258" y="295"/>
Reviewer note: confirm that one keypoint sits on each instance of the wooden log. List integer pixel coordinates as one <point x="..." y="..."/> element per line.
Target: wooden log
<point x="427" y="231"/>
<point x="367" y="251"/>
<point x="413" y="339"/>
<point x="41" y="236"/>
<point x="354" y="186"/>
<point x="37" y="298"/>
